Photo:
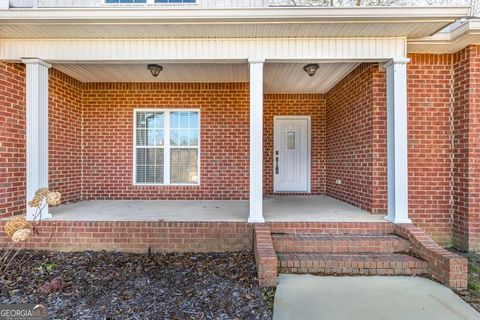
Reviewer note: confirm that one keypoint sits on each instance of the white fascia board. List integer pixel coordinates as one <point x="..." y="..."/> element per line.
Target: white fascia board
<point x="447" y="42"/>
<point x="104" y="15"/>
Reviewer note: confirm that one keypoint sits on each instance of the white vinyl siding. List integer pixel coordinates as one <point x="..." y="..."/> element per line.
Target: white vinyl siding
<point x="125" y="1"/>
<point x="100" y="3"/>
<point x="166" y="147"/>
<point x="150" y="1"/>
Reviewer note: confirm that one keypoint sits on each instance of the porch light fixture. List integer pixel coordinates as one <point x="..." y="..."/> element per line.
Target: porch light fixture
<point x="155" y="69"/>
<point x="311" y="69"/>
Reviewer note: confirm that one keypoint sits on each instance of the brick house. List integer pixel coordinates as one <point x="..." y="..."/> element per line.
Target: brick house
<point x="231" y="125"/>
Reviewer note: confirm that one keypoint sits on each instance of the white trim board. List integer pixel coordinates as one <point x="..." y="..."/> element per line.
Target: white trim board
<point x="218" y="50"/>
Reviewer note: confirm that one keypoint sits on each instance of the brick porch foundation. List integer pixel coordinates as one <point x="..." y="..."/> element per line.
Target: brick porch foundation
<point x="138" y="236"/>
<point x="379" y="248"/>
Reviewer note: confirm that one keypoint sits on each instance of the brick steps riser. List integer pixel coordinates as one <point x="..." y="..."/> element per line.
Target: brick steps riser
<point x="354" y="264"/>
<point x="372" y="244"/>
<point x="353" y="271"/>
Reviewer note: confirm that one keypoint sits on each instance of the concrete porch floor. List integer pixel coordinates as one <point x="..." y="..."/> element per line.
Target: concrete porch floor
<point x="276" y="208"/>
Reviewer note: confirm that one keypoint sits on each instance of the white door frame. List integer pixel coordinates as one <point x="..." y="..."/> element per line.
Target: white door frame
<point x="309" y="148"/>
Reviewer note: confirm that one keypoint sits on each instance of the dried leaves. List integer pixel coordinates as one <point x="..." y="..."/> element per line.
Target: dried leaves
<point x="56" y="284"/>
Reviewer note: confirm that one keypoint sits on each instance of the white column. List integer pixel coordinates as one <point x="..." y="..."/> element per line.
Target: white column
<point x="37" y="130"/>
<point x="256" y="140"/>
<point x="397" y="140"/>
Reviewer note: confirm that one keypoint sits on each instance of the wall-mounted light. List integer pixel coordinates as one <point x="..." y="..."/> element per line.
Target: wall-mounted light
<point x="311" y="69"/>
<point x="155" y="69"/>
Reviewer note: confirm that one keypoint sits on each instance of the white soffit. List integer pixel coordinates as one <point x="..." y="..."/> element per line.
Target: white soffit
<point x="173" y="72"/>
<point x="290" y="77"/>
<point x="279" y="77"/>
<point x="155" y="31"/>
<point x="448" y="41"/>
<point x="273" y="22"/>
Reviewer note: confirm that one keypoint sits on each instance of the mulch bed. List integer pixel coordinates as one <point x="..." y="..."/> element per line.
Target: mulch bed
<point x="105" y="285"/>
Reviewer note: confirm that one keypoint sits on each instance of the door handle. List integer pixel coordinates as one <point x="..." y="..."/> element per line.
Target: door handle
<point x="277" y="171"/>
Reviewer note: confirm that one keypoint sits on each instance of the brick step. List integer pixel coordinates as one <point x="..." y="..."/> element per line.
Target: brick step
<point x="339" y="243"/>
<point x="351" y="264"/>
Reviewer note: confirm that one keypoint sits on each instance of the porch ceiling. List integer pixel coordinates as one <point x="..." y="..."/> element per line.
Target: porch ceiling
<point x="279" y="77"/>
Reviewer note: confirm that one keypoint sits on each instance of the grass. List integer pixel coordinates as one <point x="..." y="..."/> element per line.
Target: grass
<point x="473" y="273"/>
<point x="269" y="296"/>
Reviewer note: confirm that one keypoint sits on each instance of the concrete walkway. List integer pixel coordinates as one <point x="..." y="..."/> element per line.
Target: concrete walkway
<point x="365" y="298"/>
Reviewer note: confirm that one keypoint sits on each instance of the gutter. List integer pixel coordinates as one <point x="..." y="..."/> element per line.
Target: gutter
<point x="267" y="14"/>
<point x="468" y="28"/>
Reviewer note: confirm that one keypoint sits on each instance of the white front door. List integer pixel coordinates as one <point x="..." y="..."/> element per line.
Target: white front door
<point x="291" y="154"/>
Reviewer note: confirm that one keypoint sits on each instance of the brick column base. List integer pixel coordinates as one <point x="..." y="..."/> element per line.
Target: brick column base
<point x="446" y="267"/>
<point x="265" y="257"/>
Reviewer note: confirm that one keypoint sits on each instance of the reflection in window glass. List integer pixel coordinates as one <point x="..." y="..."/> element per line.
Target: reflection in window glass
<point x="184" y="147"/>
<point x="183" y="165"/>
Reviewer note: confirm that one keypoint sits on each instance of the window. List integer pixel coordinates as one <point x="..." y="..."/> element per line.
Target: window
<point x="166" y="147"/>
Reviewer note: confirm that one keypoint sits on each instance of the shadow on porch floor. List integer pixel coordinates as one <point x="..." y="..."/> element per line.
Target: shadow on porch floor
<point x="276" y="208"/>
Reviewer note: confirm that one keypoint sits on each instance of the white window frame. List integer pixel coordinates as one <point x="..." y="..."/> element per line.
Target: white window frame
<point x="166" y="146"/>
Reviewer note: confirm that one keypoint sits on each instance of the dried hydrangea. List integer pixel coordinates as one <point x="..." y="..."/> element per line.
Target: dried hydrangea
<point x="35" y="202"/>
<point x="16" y="224"/>
<point x="42" y="192"/>
<point x="21" y="235"/>
<point x="52" y="198"/>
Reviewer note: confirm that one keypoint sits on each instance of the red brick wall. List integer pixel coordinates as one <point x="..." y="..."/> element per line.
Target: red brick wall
<point x="65" y="135"/>
<point x="356" y="139"/>
<point x="349" y="134"/>
<point x="296" y="105"/>
<point x="356" y="115"/>
<point x="466" y="171"/>
<point x="430" y="143"/>
<point x="137" y="236"/>
<point x="108" y="138"/>
<point x="12" y="139"/>
<point x="224" y="138"/>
